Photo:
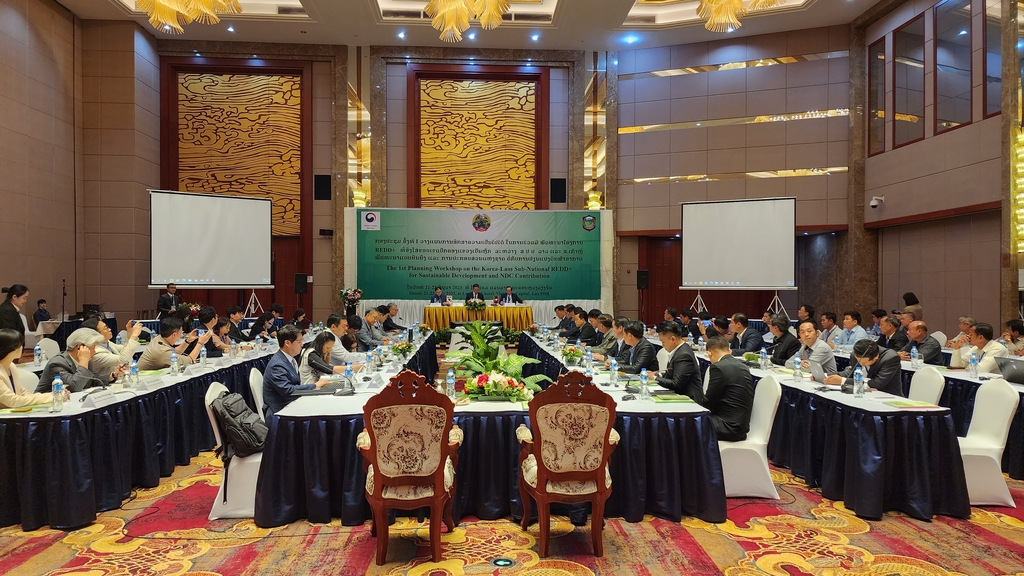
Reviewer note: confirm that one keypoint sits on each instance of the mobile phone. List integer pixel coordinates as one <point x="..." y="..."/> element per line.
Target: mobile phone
<point x="201" y="332"/>
<point x="705" y="323"/>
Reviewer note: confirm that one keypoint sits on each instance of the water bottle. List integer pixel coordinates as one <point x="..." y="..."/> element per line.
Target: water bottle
<point x="449" y="383"/>
<point x="202" y="356"/>
<point x="972" y="369"/>
<point x="613" y="365"/>
<point x="258" y="344"/>
<point x="234" y="349"/>
<point x="588" y="372"/>
<point x="858" y="383"/>
<point x="37" y="354"/>
<point x="578" y="343"/>
<point x="174" y="363"/>
<point x="348" y="370"/>
<point x="1003" y="342"/>
<point x="915" y="359"/>
<point x="798" y="373"/>
<point x="133" y="372"/>
<point x="58" y="395"/>
<point x="589" y="357"/>
<point x="645" y="392"/>
<point x="700" y="344"/>
<point x="369" y="362"/>
<point x="763" y="358"/>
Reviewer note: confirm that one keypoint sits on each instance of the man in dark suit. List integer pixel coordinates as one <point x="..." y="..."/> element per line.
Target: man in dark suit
<point x="689" y="322"/>
<point x="389" y="319"/>
<point x="509" y="297"/>
<point x="882" y="368"/>
<point x="594" y="319"/>
<point x="235" y="331"/>
<point x="784" y="344"/>
<point x="605" y="337"/>
<point x="641" y="353"/>
<point x="672" y="315"/>
<point x="281" y="377"/>
<point x="746" y="339"/>
<point x="584" y="326"/>
<point x="475" y="294"/>
<point x="573" y="332"/>
<point x="564" y="319"/>
<point x="41" y="314"/>
<point x="928" y="348"/>
<point x="892" y="337"/>
<point x="619" y="345"/>
<point x="682" y="373"/>
<point x="730" y="394"/>
<point x="168" y="302"/>
<point x="439" y="297"/>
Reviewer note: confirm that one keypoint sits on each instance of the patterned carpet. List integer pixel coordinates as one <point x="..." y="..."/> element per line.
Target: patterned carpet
<point x="164" y="531"/>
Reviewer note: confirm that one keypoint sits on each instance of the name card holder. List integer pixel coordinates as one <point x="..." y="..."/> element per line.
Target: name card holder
<point x="376" y="382"/>
<point x="99" y="399"/>
<point x="192" y="370"/>
<point x="150" y="384"/>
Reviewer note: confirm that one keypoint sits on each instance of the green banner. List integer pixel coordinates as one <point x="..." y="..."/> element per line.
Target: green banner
<point x="544" y="255"/>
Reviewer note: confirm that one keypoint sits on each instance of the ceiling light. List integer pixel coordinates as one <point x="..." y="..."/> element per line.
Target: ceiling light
<point x="452" y="17"/>
<point x="401" y="35"/>
<point x="254" y="56"/>
<point x="472" y="35"/>
<point x="724" y="15"/>
<point x="962" y="33"/>
<point x="631" y="39"/>
<point x="805" y="233"/>
<point x="231" y="28"/>
<point x="171" y="15"/>
<point x="535" y="37"/>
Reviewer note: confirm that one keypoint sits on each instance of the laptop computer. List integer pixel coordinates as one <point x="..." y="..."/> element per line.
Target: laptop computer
<point x="1012" y="369"/>
<point x="817" y="372"/>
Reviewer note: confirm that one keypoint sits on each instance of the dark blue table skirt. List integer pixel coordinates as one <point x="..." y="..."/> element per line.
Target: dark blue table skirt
<point x="906" y="461"/>
<point x="549" y="365"/>
<point x="425" y="360"/>
<point x="62" y="471"/>
<point x="64" y="329"/>
<point x="666" y="465"/>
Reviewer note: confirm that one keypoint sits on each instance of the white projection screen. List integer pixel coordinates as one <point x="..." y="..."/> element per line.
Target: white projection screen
<point x="209" y="241"/>
<point x="739" y="245"/>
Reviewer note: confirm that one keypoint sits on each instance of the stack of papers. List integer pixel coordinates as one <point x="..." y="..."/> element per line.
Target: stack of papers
<point x="911" y="404"/>
<point x="672" y="398"/>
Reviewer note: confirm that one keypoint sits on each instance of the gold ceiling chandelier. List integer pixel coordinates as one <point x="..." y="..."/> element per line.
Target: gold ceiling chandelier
<point x="724" y="15"/>
<point x="452" y="17"/>
<point x="170" y="15"/>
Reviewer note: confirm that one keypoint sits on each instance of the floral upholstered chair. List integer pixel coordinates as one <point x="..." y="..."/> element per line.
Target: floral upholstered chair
<point x="565" y="457"/>
<point x="410" y="448"/>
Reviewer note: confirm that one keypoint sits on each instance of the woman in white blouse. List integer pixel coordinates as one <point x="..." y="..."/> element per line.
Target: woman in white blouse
<point x="12" y="378"/>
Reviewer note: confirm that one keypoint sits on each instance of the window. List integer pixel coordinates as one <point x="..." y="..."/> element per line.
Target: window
<point x="876" y="97"/>
<point x="952" y="43"/>
<point x="993" y="59"/>
<point x="908" y="82"/>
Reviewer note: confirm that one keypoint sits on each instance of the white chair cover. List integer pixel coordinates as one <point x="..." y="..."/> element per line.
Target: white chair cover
<point x="256" y="387"/>
<point x="244" y="472"/>
<point x="982" y="449"/>
<point x="745" y="463"/>
<point x="927" y="385"/>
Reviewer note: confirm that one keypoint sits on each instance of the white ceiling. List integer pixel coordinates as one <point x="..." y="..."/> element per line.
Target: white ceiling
<point x="577" y="25"/>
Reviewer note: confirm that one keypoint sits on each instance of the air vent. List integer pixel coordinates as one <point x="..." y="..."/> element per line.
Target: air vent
<point x="291" y="11"/>
<point x="406" y="14"/>
<point x="531" y="17"/>
<point x="640" y="20"/>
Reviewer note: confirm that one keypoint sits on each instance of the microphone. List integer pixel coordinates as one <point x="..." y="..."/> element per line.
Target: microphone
<point x="102" y="386"/>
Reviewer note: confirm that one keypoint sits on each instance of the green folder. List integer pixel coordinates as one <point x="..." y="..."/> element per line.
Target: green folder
<point x="910" y="404"/>
<point x="663" y="398"/>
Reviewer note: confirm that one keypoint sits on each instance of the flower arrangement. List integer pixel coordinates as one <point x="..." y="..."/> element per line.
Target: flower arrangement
<point x="486" y="359"/>
<point x="401" y="348"/>
<point x="572" y="354"/>
<point x="476" y="305"/>
<point x="424" y="329"/>
<point x="496" y="385"/>
<point x="533" y="329"/>
<point x="193" y="308"/>
<point x="351" y="296"/>
<point x="495" y="300"/>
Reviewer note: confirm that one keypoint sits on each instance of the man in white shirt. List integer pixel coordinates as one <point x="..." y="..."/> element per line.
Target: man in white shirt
<point x="852" y="331"/>
<point x="965" y="327"/>
<point x="813" y="349"/>
<point x="982" y="344"/>
<point x="109" y="355"/>
<point x="1014" y="337"/>
<point x="338" y="326"/>
<point x="829" y="331"/>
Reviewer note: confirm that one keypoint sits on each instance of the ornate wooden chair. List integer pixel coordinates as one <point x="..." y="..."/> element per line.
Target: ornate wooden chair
<point x="568" y="459"/>
<point x="410" y="448"/>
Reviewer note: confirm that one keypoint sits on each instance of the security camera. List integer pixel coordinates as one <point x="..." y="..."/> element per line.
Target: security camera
<point x="876" y="200"/>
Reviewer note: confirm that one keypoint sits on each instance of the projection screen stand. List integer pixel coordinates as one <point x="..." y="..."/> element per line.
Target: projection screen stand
<point x="776" y="305"/>
<point x="252" y="306"/>
<point x="698" y="304"/>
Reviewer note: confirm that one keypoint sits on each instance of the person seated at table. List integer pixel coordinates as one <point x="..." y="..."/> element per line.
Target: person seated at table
<point x="1014" y="337"/>
<point x="965" y="323"/>
<point x="41" y="314"/>
<point x="829" y="330"/>
<point x="172" y="338"/>
<point x="682" y="372"/>
<point x="719" y="327"/>
<point x="618" y="344"/>
<point x="13" y="379"/>
<point x="671" y="315"/>
<point x="805" y="312"/>
<point x="281" y="377"/>
<point x="928" y="348"/>
<point x="784" y="344"/>
<point x="585" y="330"/>
<point x="235" y="330"/>
<point x="892" y="337"/>
<point x="593" y="318"/>
<point x="215" y="347"/>
<point x="982" y="344"/>
<point x="883" y="370"/>
<point x="852" y="331"/>
<point x="572" y="332"/>
<point x="338" y="327"/>
<point x="72" y="365"/>
<point x="766" y="319"/>
<point x="564" y="320"/>
<point x="730" y="393"/>
<point x="813" y="349"/>
<point x="378" y="326"/>
<point x="747" y="339"/>
<point x="260" y="326"/>
<point x="906" y="317"/>
<point x="390" y="325"/>
<point x="689" y="324"/>
<point x="110" y="355"/>
<point x="877" y="317"/>
<point x="475" y="294"/>
<point x="440" y="297"/>
<point x="641" y="353"/>
<point x="509" y="297"/>
<point x="604" y="340"/>
<point x="366" y="335"/>
<point x="299" y="320"/>
<point x="10" y="308"/>
<point x="315" y="359"/>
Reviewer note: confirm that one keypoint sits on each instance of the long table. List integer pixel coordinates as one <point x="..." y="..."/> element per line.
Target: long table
<point x="512" y="317"/>
<point x="61" y="469"/>
<point x="667" y="463"/>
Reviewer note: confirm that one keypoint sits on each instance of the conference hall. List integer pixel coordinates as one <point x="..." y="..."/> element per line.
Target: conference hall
<point x="574" y="287"/>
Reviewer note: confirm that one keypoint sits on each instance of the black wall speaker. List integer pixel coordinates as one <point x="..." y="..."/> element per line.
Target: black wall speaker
<point x="322" y="187"/>
<point x="557" y="190"/>
<point x="643" y="279"/>
<point x="300" y="283"/>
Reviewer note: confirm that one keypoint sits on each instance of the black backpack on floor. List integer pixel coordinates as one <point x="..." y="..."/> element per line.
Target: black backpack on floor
<point x="242" y="432"/>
